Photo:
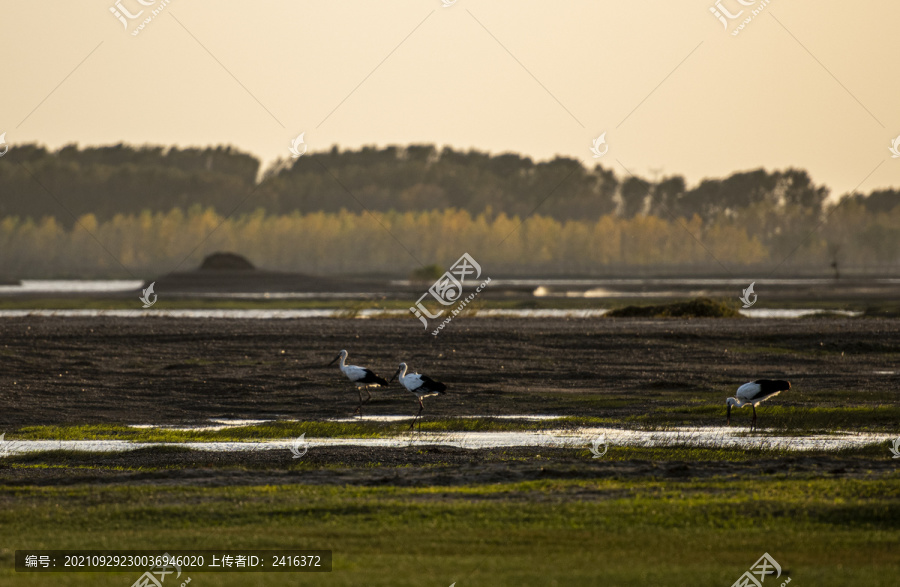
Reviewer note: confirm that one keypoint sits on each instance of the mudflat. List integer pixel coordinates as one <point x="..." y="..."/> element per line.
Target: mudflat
<point x="167" y="371"/>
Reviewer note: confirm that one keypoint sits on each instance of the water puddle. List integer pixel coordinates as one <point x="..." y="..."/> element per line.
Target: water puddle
<point x="268" y="314"/>
<point x="717" y="437"/>
<point x="66" y="286"/>
<point x="525" y="417"/>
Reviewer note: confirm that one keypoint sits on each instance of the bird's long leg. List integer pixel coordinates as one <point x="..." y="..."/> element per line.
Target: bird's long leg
<point x="421" y="407"/>
<point x="368" y="394"/>
<point x="359" y="407"/>
<point x="753" y="422"/>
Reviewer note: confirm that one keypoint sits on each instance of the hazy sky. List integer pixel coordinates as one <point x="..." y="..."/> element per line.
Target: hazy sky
<point x="806" y="84"/>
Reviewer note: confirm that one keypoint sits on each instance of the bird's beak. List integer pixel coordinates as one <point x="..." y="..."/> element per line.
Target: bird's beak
<point x="334" y="361"/>
<point x="728" y="416"/>
<point x="394" y="377"/>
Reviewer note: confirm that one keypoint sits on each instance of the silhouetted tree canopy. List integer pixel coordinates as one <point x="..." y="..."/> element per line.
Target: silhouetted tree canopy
<point x="122" y="179"/>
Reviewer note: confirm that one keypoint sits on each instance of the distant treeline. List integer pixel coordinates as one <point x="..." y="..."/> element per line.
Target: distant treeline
<point x="392" y="244"/>
<point x="121" y="179"/>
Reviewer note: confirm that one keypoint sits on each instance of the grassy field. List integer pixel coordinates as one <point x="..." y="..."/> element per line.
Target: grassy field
<point x="608" y="531"/>
<point x="437" y="515"/>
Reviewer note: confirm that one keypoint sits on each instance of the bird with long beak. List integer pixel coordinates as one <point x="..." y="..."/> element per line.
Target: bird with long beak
<point x="753" y="393"/>
<point x="421" y="386"/>
<point x="361" y="377"/>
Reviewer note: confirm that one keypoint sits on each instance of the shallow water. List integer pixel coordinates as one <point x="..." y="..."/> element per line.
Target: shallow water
<point x="720" y="437"/>
<point x="72" y="286"/>
<point x="247" y="314"/>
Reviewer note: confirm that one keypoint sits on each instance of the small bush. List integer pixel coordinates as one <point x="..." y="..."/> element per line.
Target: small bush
<point x="698" y="308"/>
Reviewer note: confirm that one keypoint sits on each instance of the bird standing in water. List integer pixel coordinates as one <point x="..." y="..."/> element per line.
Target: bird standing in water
<point x="751" y="394"/>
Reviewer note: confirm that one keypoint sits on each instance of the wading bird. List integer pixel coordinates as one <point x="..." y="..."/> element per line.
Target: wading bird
<point x="421" y="385"/>
<point x="751" y="394"/>
<point x="361" y="377"/>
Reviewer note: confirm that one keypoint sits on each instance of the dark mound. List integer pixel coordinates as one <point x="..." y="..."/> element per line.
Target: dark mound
<point x="225" y="273"/>
<point x="699" y="308"/>
<point x="226" y="261"/>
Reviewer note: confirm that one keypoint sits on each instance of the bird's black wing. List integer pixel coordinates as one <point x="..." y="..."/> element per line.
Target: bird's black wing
<point x="768" y="387"/>
<point x="372" y="378"/>
<point x="432" y="385"/>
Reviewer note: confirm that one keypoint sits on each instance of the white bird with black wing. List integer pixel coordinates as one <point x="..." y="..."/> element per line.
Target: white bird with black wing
<point x="361" y="377"/>
<point x="420" y="385"/>
<point x="753" y="393"/>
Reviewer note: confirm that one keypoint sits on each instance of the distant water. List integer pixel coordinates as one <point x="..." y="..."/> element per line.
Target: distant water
<point x="659" y="287"/>
<point x="63" y="286"/>
<point x="703" y="282"/>
<point x="718" y="437"/>
<point x="249" y="314"/>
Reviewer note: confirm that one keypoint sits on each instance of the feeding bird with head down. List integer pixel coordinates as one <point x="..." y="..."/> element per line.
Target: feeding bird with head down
<point x="361" y="377"/>
<point x="421" y="386"/>
<point x="753" y="393"/>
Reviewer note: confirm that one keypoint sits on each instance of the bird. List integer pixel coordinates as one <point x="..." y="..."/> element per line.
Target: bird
<point x="420" y="385"/>
<point x="753" y="393"/>
<point x="361" y="377"/>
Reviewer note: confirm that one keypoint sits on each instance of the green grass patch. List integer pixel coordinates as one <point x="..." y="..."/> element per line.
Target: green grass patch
<point x="828" y="532"/>
<point x="697" y="308"/>
<point x="791" y="419"/>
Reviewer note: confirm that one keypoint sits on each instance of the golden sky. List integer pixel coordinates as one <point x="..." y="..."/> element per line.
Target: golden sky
<point x="805" y="84"/>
